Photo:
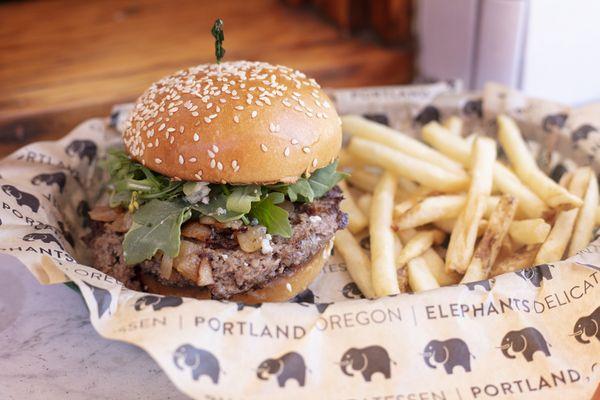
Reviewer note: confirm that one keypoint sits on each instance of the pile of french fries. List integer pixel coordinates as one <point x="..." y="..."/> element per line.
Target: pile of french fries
<point x="448" y="211"/>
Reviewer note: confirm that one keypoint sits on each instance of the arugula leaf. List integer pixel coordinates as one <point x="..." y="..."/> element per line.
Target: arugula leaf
<point x="217" y="208"/>
<point x="273" y="217"/>
<point x="156" y="226"/>
<point x="301" y="189"/>
<point x="241" y="198"/>
<point x="325" y="178"/>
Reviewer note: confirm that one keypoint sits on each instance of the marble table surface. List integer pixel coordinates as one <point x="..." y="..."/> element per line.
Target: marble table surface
<point x="49" y="350"/>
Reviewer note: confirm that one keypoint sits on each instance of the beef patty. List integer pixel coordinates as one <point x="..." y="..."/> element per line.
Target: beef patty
<point x="233" y="270"/>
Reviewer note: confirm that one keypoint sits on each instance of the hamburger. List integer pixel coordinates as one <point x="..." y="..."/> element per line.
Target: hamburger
<point x="225" y="187"/>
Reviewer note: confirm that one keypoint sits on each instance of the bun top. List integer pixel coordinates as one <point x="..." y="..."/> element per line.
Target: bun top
<point x="235" y="122"/>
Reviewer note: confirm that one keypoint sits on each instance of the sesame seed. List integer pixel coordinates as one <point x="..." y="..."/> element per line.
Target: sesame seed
<point x="161" y="127"/>
<point x="196" y="137"/>
<point x="294" y="141"/>
<point x="326" y="104"/>
<point x="211" y="154"/>
<point x="264" y="147"/>
<point x="286" y="152"/>
<point x="306" y="150"/>
<point x="212" y="116"/>
<point x="170" y="130"/>
<point x="220" y="166"/>
<point x="181" y="160"/>
<point x="215" y="148"/>
<point x="181" y="129"/>
<point x="298" y="108"/>
<point x="254" y="114"/>
<point x="314" y="163"/>
<point x="171" y="139"/>
<point x="192" y="159"/>
<point x="157" y="160"/>
<point x="207" y="120"/>
<point x="198" y="174"/>
<point x="236" y="119"/>
<point x="234" y="164"/>
<point x="272" y="127"/>
<point x="286" y="103"/>
<point x="195" y="114"/>
<point x="258" y="103"/>
<point x="239" y="108"/>
<point x="213" y="163"/>
<point x="266" y="100"/>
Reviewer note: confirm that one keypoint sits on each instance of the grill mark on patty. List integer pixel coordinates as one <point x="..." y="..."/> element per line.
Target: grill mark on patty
<point x="234" y="271"/>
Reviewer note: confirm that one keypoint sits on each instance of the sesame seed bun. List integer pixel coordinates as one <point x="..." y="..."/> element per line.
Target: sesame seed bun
<point x="282" y="288"/>
<point x="237" y="122"/>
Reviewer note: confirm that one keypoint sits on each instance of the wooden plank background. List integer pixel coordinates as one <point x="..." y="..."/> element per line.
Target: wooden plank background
<point x="64" y="61"/>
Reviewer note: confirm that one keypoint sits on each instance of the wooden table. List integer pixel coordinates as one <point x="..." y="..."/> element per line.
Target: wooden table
<point x="64" y="61"/>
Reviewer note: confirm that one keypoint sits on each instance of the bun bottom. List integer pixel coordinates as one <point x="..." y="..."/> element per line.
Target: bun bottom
<point x="280" y="289"/>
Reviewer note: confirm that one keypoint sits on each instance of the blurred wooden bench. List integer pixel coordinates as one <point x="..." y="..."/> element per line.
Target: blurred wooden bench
<point x="64" y="61"/>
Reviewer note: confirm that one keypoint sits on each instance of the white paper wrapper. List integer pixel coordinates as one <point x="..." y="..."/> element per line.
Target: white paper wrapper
<point x="441" y="344"/>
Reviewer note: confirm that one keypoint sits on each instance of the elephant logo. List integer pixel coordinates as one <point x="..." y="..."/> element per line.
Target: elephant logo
<point x="535" y="275"/>
<point x="103" y="298"/>
<point x="587" y="326"/>
<point x="379" y="118"/>
<point x="22" y="198"/>
<point x="428" y="114"/>
<point x="450" y="353"/>
<point x="83" y="210"/>
<point x="199" y="362"/>
<point x="473" y="108"/>
<point x="557" y="172"/>
<point x="368" y="361"/>
<point x="44" y="237"/>
<point x="67" y="235"/>
<point x="554" y="121"/>
<point x="582" y="132"/>
<point x="485" y="284"/>
<point x="308" y="297"/>
<point x="241" y="306"/>
<point x="157" y="302"/>
<point x="289" y="366"/>
<point x="527" y="341"/>
<point x="83" y="149"/>
<point x="58" y="178"/>
<point x="351" y="291"/>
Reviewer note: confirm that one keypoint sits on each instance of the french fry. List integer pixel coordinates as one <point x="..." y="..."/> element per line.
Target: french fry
<point x="357" y="220"/>
<point x="360" y="127"/>
<point x="345" y="159"/>
<point x="357" y="261"/>
<point x="418" y="244"/>
<point x="515" y="260"/>
<point x="420" y="277"/>
<point x="434" y="208"/>
<point x="364" y="203"/>
<point x="384" y="276"/>
<point x="464" y="234"/>
<point x="403" y="165"/>
<point x="528" y="171"/>
<point x="598" y="216"/>
<point x="434" y="262"/>
<point x="584" y="225"/>
<point x="406" y="185"/>
<point x="558" y="239"/>
<point x="529" y="231"/>
<point x="454" y="125"/>
<point x="489" y="246"/>
<point x="505" y="180"/>
<point x="363" y="180"/>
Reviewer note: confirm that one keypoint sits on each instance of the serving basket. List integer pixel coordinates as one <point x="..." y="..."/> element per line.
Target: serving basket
<point x="440" y="344"/>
